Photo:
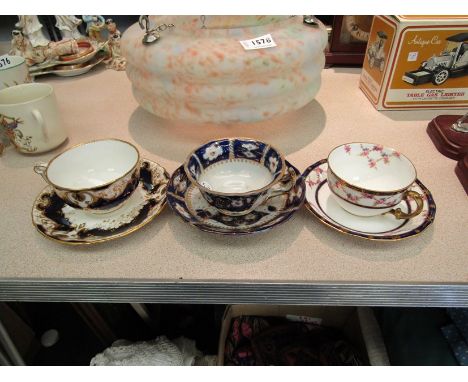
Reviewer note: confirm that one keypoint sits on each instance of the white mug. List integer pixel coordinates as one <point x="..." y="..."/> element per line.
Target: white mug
<point x="29" y="116"/>
<point x="13" y="71"/>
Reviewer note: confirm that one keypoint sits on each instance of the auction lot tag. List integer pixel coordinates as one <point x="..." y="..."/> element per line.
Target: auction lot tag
<point x="261" y="42"/>
<point x="5" y="62"/>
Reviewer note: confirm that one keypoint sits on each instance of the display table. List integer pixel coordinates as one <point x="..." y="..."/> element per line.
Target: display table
<point x="300" y="262"/>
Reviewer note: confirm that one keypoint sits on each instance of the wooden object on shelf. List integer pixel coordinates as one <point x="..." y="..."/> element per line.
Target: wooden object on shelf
<point x="348" y="40"/>
<point x="451" y="143"/>
<point x="462" y="172"/>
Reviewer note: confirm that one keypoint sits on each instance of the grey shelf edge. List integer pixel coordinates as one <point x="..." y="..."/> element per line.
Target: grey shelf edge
<point x="188" y="292"/>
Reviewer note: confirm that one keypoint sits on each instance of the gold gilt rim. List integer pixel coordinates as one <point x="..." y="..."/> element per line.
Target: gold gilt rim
<point x="61" y="69"/>
<point x="373" y="192"/>
<point x="344" y="231"/>
<point x="101" y="185"/>
<point x="103" y="240"/>
<point x="227" y="194"/>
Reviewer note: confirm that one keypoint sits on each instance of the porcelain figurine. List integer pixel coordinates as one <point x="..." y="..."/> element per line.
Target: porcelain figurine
<point x="94" y="25"/>
<point x="68" y="26"/>
<point x="112" y="28"/>
<point x="116" y="60"/>
<point x="32" y="30"/>
<point x="21" y="46"/>
<point x="198" y="70"/>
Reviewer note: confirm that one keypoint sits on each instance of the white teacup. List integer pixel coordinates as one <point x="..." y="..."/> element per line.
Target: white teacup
<point x="13" y="71"/>
<point x="98" y="176"/>
<point x="29" y="116"/>
<point x="368" y="179"/>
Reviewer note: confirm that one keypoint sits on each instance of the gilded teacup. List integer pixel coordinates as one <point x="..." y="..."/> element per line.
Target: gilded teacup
<point x="236" y="175"/>
<point x="97" y="176"/>
<point x="369" y="179"/>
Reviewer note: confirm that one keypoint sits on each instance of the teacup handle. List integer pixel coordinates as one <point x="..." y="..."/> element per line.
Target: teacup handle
<point x="290" y="176"/>
<point x="399" y="214"/>
<point x="40" y="119"/>
<point x="40" y="168"/>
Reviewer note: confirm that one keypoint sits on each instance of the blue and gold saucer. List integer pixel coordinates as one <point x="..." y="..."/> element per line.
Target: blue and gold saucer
<point x="187" y="202"/>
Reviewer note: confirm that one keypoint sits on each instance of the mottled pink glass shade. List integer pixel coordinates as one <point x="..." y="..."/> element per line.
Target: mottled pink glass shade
<point x="205" y="75"/>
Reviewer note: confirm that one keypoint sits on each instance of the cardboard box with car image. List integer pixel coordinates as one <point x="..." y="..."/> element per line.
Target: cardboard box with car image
<point x="417" y="62"/>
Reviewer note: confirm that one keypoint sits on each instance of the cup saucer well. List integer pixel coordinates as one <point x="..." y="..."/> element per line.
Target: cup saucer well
<point x="188" y="203"/>
<point x="320" y="201"/>
<point x="60" y="222"/>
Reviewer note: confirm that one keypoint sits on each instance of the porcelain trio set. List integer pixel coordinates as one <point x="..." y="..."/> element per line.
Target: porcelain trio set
<point x="103" y="190"/>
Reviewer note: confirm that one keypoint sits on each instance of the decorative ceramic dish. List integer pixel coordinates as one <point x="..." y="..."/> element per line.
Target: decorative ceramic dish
<point x="70" y="70"/>
<point x="60" y="222"/>
<point x="188" y="203"/>
<point x="40" y="68"/>
<point x="386" y="227"/>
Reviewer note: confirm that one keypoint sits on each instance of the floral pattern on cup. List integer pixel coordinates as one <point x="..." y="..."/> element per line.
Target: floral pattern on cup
<point x="240" y="150"/>
<point x="213" y="152"/>
<point x="273" y="161"/>
<point x="248" y="150"/>
<point x="9" y="133"/>
<point x="375" y="154"/>
<point x="365" y="199"/>
<point x="233" y="204"/>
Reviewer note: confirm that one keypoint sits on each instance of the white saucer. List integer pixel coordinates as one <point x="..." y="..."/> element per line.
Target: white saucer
<point x="320" y="201"/>
<point x="60" y="222"/>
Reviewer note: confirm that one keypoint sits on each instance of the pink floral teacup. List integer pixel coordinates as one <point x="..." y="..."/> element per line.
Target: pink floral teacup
<point x="368" y="179"/>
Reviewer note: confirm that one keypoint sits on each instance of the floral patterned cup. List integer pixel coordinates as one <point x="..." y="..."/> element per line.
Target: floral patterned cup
<point x="367" y="179"/>
<point x="236" y="175"/>
<point x="97" y="176"/>
<point x="30" y="118"/>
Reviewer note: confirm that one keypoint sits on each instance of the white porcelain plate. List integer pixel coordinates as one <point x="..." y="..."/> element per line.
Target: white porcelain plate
<point x="321" y="203"/>
<point x="60" y="222"/>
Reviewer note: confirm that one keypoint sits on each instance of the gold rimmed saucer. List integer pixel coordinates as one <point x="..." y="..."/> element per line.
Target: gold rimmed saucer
<point x="64" y="224"/>
<point x="72" y="70"/>
<point x="320" y="202"/>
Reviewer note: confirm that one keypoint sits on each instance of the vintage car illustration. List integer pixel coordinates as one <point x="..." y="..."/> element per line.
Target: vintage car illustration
<point x="452" y="62"/>
<point x="375" y="52"/>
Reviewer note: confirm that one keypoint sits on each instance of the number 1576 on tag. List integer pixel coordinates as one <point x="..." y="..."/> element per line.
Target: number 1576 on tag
<point x="261" y="42"/>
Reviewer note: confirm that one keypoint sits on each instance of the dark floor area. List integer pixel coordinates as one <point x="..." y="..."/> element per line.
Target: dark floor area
<point x="87" y="329"/>
<point x="412" y="335"/>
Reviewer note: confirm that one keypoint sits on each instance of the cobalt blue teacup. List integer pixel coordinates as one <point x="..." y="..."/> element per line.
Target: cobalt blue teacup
<point x="236" y="175"/>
